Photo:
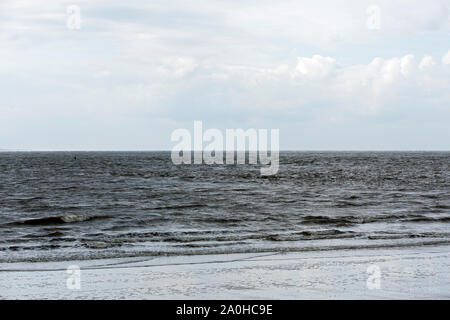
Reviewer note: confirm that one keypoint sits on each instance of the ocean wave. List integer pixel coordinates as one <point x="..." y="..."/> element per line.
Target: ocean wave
<point x="353" y="220"/>
<point x="329" y="220"/>
<point x="428" y="219"/>
<point x="97" y="255"/>
<point x="181" y="206"/>
<point x="54" y="220"/>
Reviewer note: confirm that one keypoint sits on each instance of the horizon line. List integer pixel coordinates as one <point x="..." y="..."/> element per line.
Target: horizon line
<point x="284" y="150"/>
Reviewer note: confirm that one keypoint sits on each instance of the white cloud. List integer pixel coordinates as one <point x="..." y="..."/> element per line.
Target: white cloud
<point x="427" y="63"/>
<point x="408" y="65"/>
<point x="446" y="58"/>
<point x="178" y="66"/>
<point x="359" y="88"/>
<point x="315" y="67"/>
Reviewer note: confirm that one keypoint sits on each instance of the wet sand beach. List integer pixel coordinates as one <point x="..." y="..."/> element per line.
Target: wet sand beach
<point x="405" y="273"/>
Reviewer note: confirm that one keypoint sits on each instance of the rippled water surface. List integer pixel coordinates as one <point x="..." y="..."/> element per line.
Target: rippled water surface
<point x="87" y="205"/>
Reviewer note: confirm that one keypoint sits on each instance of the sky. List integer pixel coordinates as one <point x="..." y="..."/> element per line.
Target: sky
<point x="329" y="74"/>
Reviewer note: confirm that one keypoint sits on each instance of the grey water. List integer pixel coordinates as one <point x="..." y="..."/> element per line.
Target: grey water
<point x="57" y="206"/>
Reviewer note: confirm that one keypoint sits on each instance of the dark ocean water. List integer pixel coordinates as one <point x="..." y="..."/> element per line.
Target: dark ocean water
<point x="54" y="207"/>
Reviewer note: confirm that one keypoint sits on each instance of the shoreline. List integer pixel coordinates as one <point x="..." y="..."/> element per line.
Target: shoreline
<point x="405" y="273"/>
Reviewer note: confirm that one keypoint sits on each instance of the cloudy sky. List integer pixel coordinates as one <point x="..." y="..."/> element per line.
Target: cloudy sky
<point x="331" y="75"/>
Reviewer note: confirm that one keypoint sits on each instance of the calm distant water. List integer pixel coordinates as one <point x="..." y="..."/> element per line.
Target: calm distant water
<point x="54" y="207"/>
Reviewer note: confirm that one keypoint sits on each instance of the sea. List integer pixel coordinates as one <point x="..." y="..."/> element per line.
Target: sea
<point x="61" y="206"/>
